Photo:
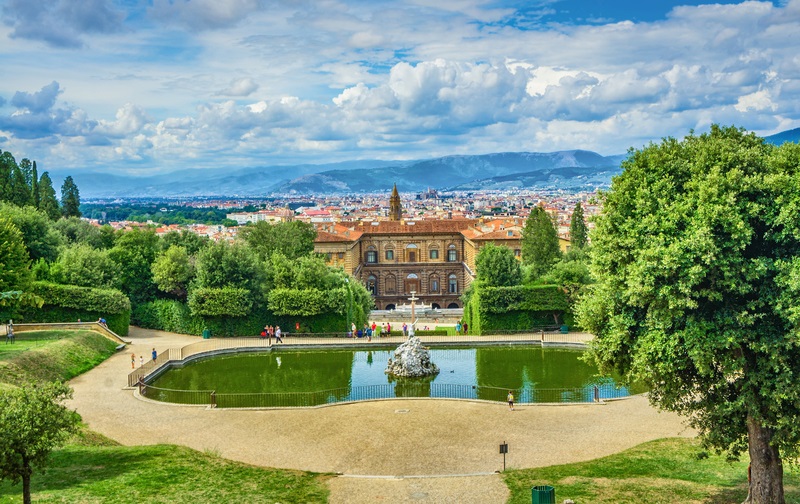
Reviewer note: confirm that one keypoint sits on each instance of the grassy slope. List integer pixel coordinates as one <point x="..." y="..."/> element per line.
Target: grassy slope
<point x="662" y="471"/>
<point x="91" y="468"/>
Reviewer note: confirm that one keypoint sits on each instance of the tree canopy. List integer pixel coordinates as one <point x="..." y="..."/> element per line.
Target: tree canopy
<point x="14" y="260"/>
<point x="34" y="422"/>
<point x="540" y="247"/>
<point x="697" y="262"/>
<point x="497" y="266"/>
<point x="70" y="198"/>
<point x="292" y="239"/>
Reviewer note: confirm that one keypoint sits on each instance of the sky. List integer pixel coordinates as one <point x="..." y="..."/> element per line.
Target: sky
<point x="152" y="86"/>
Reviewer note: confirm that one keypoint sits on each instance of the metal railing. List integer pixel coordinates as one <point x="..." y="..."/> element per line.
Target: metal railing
<point x="400" y="389"/>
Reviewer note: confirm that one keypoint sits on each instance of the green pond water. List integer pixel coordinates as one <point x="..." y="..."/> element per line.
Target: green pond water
<point x="310" y="377"/>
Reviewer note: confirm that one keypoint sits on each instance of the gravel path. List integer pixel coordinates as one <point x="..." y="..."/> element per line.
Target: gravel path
<point x="410" y="450"/>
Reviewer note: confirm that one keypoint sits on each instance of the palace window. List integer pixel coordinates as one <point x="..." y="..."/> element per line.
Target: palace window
<point x="452" y="284"/>
<point x="340" y="255"/>
<point x="372" y="255"/>
<point x="452" y="254"/>
<point x="372" y="285"/>
<point x="434" y="283"/>
<point x="434" y="254"/>
<point x="389" y="255"/>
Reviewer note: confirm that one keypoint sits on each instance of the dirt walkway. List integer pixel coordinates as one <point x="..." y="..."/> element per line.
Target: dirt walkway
<point x="378" y="446"/>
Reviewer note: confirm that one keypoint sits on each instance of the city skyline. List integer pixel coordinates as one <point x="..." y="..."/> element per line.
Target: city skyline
<point x="140" y="88"/>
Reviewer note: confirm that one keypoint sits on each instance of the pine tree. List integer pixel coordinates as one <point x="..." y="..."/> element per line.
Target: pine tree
<point x="6" y="163"/>
<point x="20" y="191"/>
<point x="540" y="247"/>
<point x="70" y="198"/>
<point x="47" y="197"/>
<point x="577" y="228"/>
<point x="35" y="185"/>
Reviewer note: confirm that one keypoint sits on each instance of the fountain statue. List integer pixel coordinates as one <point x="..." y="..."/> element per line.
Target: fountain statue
<point x="411" y="359"/>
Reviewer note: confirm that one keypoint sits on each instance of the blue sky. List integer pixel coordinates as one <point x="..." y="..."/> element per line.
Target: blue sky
<point x="140" y="86"/>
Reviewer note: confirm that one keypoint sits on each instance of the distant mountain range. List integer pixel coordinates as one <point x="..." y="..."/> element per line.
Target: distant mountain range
<point x="571" y="170"/>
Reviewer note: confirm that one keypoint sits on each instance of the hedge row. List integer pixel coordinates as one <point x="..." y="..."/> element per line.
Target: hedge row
<point x="216" y="302"/>
<point x="70" y="303"/>
<point x="174" y="316"/>
<point x="307" y="302"/>
<point x="516" y="308"/>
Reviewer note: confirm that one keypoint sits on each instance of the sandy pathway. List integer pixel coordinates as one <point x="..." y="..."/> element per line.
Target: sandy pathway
<point x="395" y="439"/>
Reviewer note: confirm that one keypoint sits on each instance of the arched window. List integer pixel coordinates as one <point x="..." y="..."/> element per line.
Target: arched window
<point x="391" y="284"/>
<point x="372" y="285"/>
<point x="371" y="255"/>
<point x="411" y="252"/>
<point x="433" y="253"/>
<point x="435" y="306"/>
<point x="452" y="283"/>
<point x="452" y="254"/>
<point x="434" y="283"/>
<point x="412" y="283"/>
<point x="453" y="305"/>
<point x="389" y="254"/>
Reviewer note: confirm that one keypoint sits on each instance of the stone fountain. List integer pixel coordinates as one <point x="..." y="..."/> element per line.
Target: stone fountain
<point x="411" y="359"/>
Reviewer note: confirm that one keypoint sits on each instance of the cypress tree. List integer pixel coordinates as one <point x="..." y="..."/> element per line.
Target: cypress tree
<point x="35" y="185"/>
<point x="577" y="228"/>
<point x="70" y="198"/>
<point x="540" y="242"/>
<point x="47" y="197"/>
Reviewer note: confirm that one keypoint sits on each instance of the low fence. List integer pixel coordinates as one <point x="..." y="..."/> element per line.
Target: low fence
<point x="71" y="326"/>
<point x="397" y="390"/>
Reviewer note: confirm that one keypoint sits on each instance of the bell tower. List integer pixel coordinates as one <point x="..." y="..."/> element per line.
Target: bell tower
<point x="395" y="209"/>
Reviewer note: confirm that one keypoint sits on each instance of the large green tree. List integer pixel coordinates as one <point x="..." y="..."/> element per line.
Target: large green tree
<point x="292" y="239"/>
<point x="697" y="262"/>
<point x="77" y="230"/>
<point x="134" y="252"/>
<point x="35" y="421"/>
<point x="70" y="198"/>
<point x="47" y="197"/>
<point x="578" y="234"/>
<point x="172" y="270"/>
<point x="497" y="266"/>
<point x="81" y="264"/>
<point x="40" y="237"/>
<point x="15" y="274"/>
<point x="540" y="248"/>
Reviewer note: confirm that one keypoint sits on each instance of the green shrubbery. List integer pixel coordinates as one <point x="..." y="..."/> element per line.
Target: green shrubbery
<point x="69" y="303"/>
<point x="514" y="308"/>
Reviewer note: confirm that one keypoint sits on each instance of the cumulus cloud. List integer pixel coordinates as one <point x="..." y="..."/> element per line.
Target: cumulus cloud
<point x="61" y="23"/>
<point x="38" y="102"/>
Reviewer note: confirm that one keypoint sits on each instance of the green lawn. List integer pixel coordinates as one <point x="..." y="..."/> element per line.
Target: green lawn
<point x="163" y="473"/>
<point x="663" y="471"/>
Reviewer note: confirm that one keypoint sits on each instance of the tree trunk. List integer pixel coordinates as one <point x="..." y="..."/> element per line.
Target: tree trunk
<point x="766" y="482"/>
<point x="26" y="488"/>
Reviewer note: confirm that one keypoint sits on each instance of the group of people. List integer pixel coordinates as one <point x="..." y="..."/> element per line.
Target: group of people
<point x="154" y="354"/>
<point x="461" y="327"/>
<point x="270" y="331"/>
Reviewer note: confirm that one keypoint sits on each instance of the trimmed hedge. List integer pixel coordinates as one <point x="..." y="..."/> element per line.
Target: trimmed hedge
<point x="225" y="301"/>
<point x="69" y="303"/>
<point x="516" y="308"/>
<point x="307" y="302"/>
<point x="174" y="316"/>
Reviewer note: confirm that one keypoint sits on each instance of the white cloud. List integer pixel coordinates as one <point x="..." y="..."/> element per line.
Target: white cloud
<point x="760" y="100"/>
<point x="240" y="87"/>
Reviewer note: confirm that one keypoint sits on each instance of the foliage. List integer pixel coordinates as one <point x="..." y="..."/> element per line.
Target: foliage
<point x="540" y="247"/>
<point x="578" y="233"/>
<point x="307" y="302"/>
<point x="158" y="212"/>
<point x="223" y="264"/>
<point x="192" y="242"/>
<point x="697" y="281"/>
<point x="84" y="266"/>
<point x="571" y="274"/>
<point x="166" y="474"/>
<point x="292" y="239"/>
<point x="220" y="301"/>
<point x="48" y="203"/>
<point x="516" y="308"/>
<point x="133" y="252"/>
<point x="40" y="237"/>
<point x="34" y="421"/>
<point x="174" y="316"/>
<point x="497" y="266"/>
<point x="172" y="271"/>
<point x="13" y="186"/>
<point x="68" y="303"/>
<point x="14" y="261"/>
<point x="70" y="198"/>
<point x="76" y="230"/>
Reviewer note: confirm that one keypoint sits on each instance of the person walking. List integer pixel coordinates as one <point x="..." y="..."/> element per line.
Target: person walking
<point x="155" y="354"/>
<point x="278" y="338"/>
<point x="510" y="399"/>
<point x="133" y="361"/>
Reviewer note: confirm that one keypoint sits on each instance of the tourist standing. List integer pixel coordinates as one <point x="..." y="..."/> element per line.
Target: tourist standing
<point x="155" y="354"/>
<point x="278" y="338"/>
<point x="353" y="330"/>
<point x="405" y="329"/>
<point x="510" y="399"/>
<point x="133" y="361"/>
